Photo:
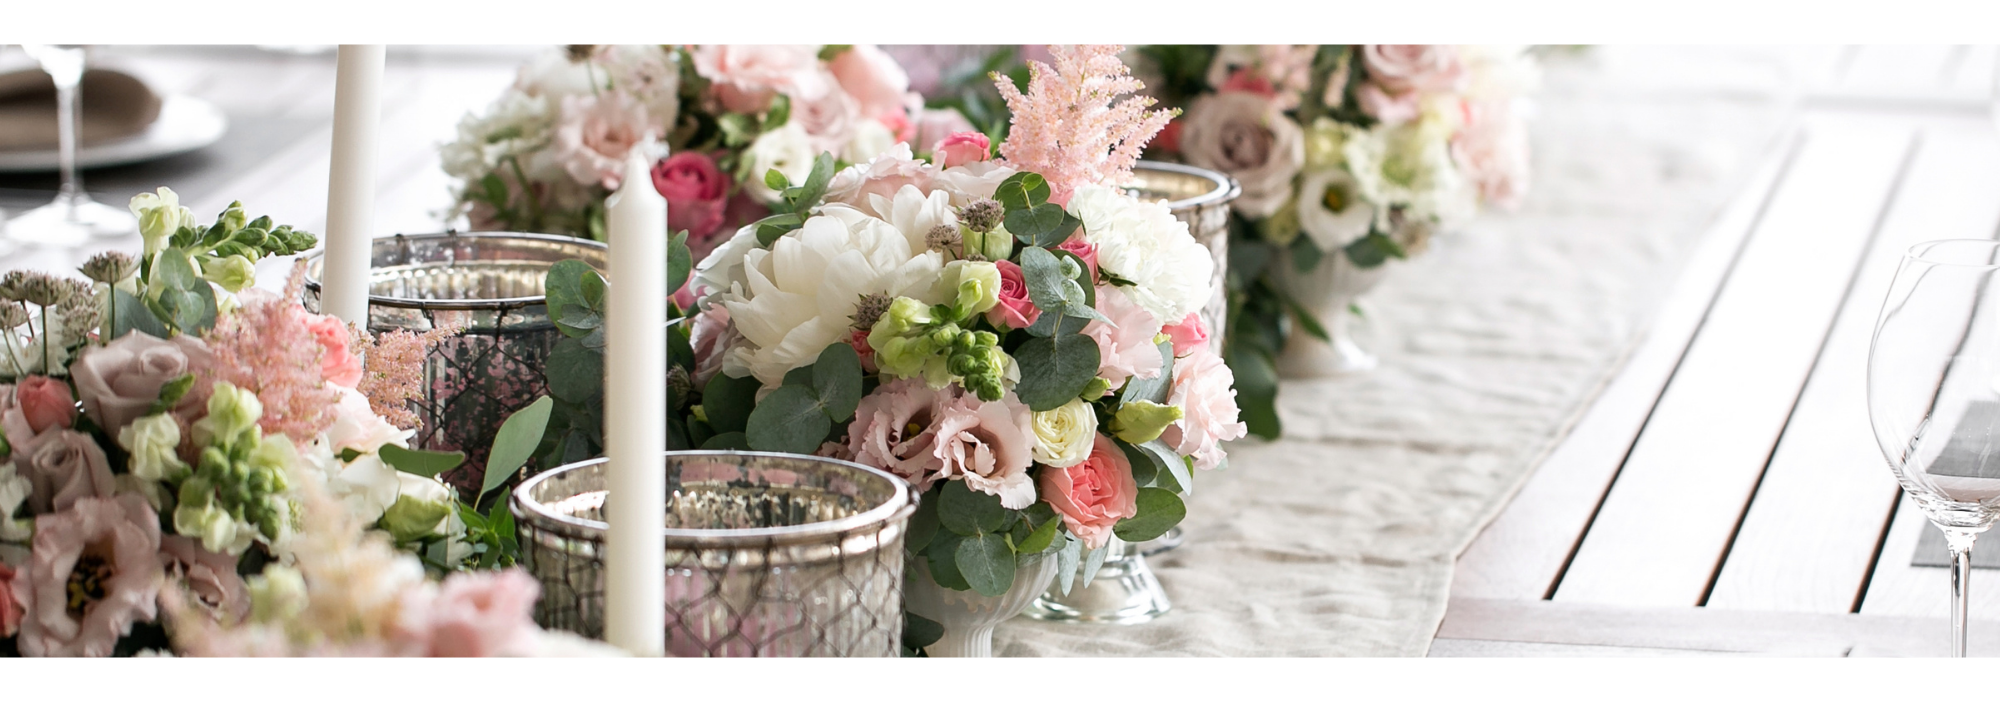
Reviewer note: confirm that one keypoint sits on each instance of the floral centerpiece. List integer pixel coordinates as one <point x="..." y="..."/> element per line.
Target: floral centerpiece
<point x="546" y="153"/>
<point x="160" y="419"/>
<point x="1357" y="152"/>
<point x="1016" y="337"/>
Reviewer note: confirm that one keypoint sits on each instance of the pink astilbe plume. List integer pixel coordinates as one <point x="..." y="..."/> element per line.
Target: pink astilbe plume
<point x="266" y="348"/>
<point x="392" y="371"/>
<point x="1067" y="128"/>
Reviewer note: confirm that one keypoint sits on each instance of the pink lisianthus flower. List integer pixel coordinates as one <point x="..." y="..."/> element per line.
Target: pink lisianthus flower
<point x="595" y="133"/>
<point x="1125" y="344"/>
<point x="712" y="336"/>
<point x="1390" y="108"/>
<point x="483" y="614"/>
<point x="1492" y="150"/>
<point x="45" y="403"/>
<point x="1094" y="495"/>
<point x="895" y="429"/>
<point x="1015" y="310"/>
<point x="989" y="445"/>
<point x="340" y="366"/>
<point x="1187" y="334"/>
<point x="697" y="193"/>
<point x="107" y="544"/>
<point x="209" y="576"/>
<point x="962" y="148"/>
<point x="1204" y="390"/>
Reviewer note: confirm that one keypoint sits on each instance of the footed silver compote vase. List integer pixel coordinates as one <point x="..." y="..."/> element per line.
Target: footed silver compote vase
<point x="1327" y="292"/>
<point x="969" y="617"/>
<point x="1124" y="591"/>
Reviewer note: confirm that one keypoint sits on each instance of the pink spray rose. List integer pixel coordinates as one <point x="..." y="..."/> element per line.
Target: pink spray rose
<point x="483" y="614"/>
<point x="1094" y="495"/>
<point x="895" y="429"/>
<point x="45" y="402"/>
<point x="10" y="608"/>
<point x="930" y="126"/>
<point x="63" y="467"/>
<point x="696" y="193"/>
<point x="877" y="84"/>
<point x="595" y="133"/>
<point x="1399" y="75"/>
<point x="829" y="116"/>
<point x="962" y="148"/>
<point x="1204" y="390"/>
<point x="746" y="76"/>
<point x="1016" y="310"/>
<point x="1245" y="80"/>
<point x="1125" y="344"/>
<point x="1492" y="150"/>
<point x="105" y="546"/>
<point x="118" y="382"/>
<point x="988" y="444"/>
<point x="337" y="363"/>
<point x="1187" y="334"/>
<point x="1391" y="108"/>
<point x="1083" y="250"/>
<point x="711" y="337"/>
<point x="208" y="576"/>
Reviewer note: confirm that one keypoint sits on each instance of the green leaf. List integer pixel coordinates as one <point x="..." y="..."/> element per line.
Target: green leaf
<point x="1051" y="288"/>
<point x="576" y="373"/>
<point x="1145" y="465"/>
<point x="807" y="195"/>
<point x="1045" y="224"/>
<point x="728" y="401"/>
<point x="579" y="318"/>
<point x="171" y="393"/>
<point x="1067" y="561"/>
<point x="1176" y="467"/>
<point x="1055" y="369"/>
<point x="923" y="524"/>
<point x="1022" y="191"/>
<point x="680" y="261"/>
<point x="424" y="464"/>
<point x="943" y="556"/>
<point x="1305" y="254"/>
<point x="731" y="441"/>
<point x="801" y="376"/>
<point x="1159" y="510"/>
<point x="1307" y="322"/>
<point x="1041" y="538"/>
<point x="515" y="443"/>
<point x="1372" y="250"/>
<point x="776" y="180"/>
<point x="780" y="112"/>
<point x="987" y="564"/>
<point x="968" y="512"/>
<point x="770" y="229"/>
<point x="1093" y="561"/>
<point x="494" y="190"/>
<point x="836" y="378"/>
<point x="129" y="314"/>
<point x="565" y="287"/>
<point x="919" y="632"/>
<point x="1154" y="389"/>
<point x="789" y="420"/>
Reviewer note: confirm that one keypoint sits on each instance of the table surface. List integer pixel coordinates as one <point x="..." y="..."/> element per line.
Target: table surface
<point x="1724" y="493"/>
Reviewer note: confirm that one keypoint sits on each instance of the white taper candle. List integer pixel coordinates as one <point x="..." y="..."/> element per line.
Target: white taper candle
<point x="350" y="187"/>
<point x="635" y="412"/>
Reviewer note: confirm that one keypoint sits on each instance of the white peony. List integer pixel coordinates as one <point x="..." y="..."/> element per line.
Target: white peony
<point x="915" y="214"/>
<point x="723" y="267"/>
<point x="973" y="180"/>
<point x="799" y="296"/>
<point x="1064" y="436"/>
<point x="1143" y="244"/>
<point x="1331" y="209"/>
<point x="789" y="149"/>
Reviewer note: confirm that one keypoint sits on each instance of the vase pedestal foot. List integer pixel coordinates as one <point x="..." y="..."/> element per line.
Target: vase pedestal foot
<point x="1125" y="591"/>
<point x="1308" y="357"/>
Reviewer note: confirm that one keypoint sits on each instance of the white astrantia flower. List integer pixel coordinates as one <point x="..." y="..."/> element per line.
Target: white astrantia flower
<point x="1141" y="243"/>
<point x="789" y="149"/>
<point x="1331" y="209"/>
<point x="799" y="296"/>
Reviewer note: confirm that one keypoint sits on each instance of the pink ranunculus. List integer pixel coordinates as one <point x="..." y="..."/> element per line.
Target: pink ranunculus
<point x="990" y="445"/>
<point x="1016" y="310"/>
<point x="108" y="544"/>
<point x="1402" y="68"/>
<point x="10" y="607"/>
<point x="1187" y="334"/>
<point x="63" y="467"/>
<point x="874" y="79"/>
<point x="746" y="77"/>
<point x="595" y="133"/>
<point x="1125" y="344"/>
<point x="882" y="176"/>
<point x="1390" y="108"/>
<point x="1203" y="389"/>
<point x="931" y="125"/>
<point x="697" y="193"/>
<point x="208" y="576"/>
<point x="118" y="382"/>
<point x="483" y="614"/>
<point x="337" y="363"/>
<point x="1083" y="250"/>
<point x="895" y="429"/>
<point x="1492" y="151"/>
<point x="1094" y="495"/>
<point x="962" y="148"/>
<point x="45" y="402"/>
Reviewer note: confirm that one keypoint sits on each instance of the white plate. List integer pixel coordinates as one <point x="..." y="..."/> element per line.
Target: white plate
<point x="185" y="124"/>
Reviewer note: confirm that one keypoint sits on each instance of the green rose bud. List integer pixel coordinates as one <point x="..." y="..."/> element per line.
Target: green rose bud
<point x="233" y="273"/>
<point x="231" y="411"/>
<point x="153" y="441"/>
<point x="1139" y="421"/>
<point x="277" y="595"/>
<point x="159" y="217"/>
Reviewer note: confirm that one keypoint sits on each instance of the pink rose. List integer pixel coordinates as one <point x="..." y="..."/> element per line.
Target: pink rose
<point x="1169" y="138"/>
<point x="988" y="444"/>
<point x="1247" y="81"/>
<point x="1094" y="495"/>
<point x="109" y="544"/>
<point x="1016" y="310"/>
<point x="1391" y="108"/>
<point x="10" y="608"/>
<point x="882" y="176"/>
<point x="697" y="193"/>
<point x="483" y="614"/>
<point x="1492" y="151"/>
<point x="1187" y="334"/>
<point x="828" y="116"/>
<point x="1245" y="135"/>
<point x="962" y="148"/>
<point x="858" y="340"/>
<point x="45" y="402"/>
<point x="933" y="125"/>
<point x="1204" y="390"/>
<point x="877" y="84"/>
<point x="1125" y="344"/>
<point x="118" y="382"/>
<point x="336" y="363"/>
<point x="595" y="133"/>
<point x="894" y="429"/>
<point x="1083" y="250"/>
<point x="209" y="576"/>
<point x="63" y="467"/>
<point x="746" y="77"/>
<point x="1402" y="68"/>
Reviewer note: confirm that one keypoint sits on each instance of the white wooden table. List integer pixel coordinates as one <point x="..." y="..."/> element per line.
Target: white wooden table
<point x="1724" y="493"/>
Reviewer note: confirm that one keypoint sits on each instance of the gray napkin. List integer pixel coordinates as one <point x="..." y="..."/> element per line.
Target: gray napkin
<point x="114" y="106"/>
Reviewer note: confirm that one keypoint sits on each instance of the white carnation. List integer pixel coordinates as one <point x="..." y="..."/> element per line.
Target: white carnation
<point x="1143" y="244"/>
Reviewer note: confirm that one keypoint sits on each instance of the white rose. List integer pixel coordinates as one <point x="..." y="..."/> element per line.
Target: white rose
<point x="1143" y="244"/>
<point x="1064" y="435"/>
<point x="1246" y="136"/>
<point x="870" y="139"/>
<point x="789" y="149"/>
<point x="153" y="441"/>
<point x="1331" y="209"/>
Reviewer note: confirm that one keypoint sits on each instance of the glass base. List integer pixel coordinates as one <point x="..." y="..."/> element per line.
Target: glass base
<point x="69" y="221"/>
<point x="1124" y="592"/>
<point x="1167" y="542"/>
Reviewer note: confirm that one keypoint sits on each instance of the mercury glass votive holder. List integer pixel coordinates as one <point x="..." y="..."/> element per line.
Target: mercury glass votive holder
<point x="1201" y="198"/>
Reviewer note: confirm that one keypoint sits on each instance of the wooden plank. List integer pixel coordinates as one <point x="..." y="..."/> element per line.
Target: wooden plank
<point x="1521" y="553"/>
<point x="1810" y="535"/>
<point x="1475" y="648"/>
<point x="1903" y="590"/>
<point x="1660" y="534"/>
<point x="1706" y="629"/>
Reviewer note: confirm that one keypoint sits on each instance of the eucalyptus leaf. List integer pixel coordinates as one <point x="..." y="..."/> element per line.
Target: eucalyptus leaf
<point x="943" y="557"/>
<point x="728" y="401"/>
<point x="987" y="564"/>
<point x="968" y="512"/>
<point x="923" y="525"/>
<point x="1175" y="465"/>
<point x="731" y="441"/>
<point x="1092" y="561"/>
<point x="1306" y="255"/>
<point x="789" y="420"/>
<point x="1159" y="510"/>
<point x="1022" y="190"/>
<point x="1041" y="225"/>
<point x="836" y="378"/>
<point x="1041" y="538"/>
<point x="1156" y="388"/>
<point x="424" y="464"/>
<point x="515" y="443"/>
<point x="680" y="261"/>
<point x="1146" y="466"/>
<point x="1055" y="369"/>
<point x="565" y="287"/>
<point x="1372" y="250"/>
<point x="129" y="314"/>
<point x="919" y="632"/>
<point x="1068" y="559"/>
<point x="1256" y="389"/>
<point x="575" y="373"/>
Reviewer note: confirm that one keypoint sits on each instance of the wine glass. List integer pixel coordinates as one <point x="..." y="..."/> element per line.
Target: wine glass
<point x="72" y="218"/>
<point x="1934" y="394"/>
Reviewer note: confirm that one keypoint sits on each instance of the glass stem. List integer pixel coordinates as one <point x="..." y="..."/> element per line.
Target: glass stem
<point x="1960" y="543"/>
<point x="66" y="129"/>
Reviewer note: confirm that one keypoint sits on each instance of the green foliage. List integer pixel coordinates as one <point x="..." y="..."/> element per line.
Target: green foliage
<point x="987" y="563"/>
<point x="798" y="416"/>
<point x="1159" y="510"/>
<point x="1372" y="250"/>
<point x="1156" y="388"/>
<point x="968" y="512"/>
<point x="1182" y="71"/>
<point x="130" y="314"/>
<point x="728" y="401"/>
<point x="515" y="443"/>
<point x="424" y="464"/>
<point x="576" y="297"/>
<point x="1053" y="284"/>
<point x="919" y="632"/>
<point x="1055" y="369"/>
<point x="680" y="261"/>
<point x="802" y="198"/>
